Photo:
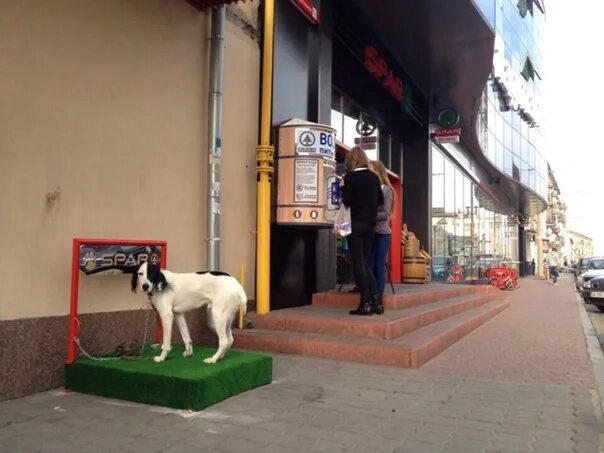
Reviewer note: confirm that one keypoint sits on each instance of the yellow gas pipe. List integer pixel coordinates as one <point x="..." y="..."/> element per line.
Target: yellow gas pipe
<point x="264" y="166"/>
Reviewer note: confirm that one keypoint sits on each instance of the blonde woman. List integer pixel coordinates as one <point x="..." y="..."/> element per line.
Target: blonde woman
<point x="381" y="240"/>
<point x="362" y="194"/>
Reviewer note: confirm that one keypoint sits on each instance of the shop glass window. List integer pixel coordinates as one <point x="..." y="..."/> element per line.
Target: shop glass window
<point x="467" y="229"/>
<point x="507" y="162"/>
<point x="438" y="179"/>
<point x="507" y="8"/>
<point x="524" y="173"/>
<point x="524" y="152"/>
<point x="491" y="147"/>
<point x="531" y="155"/>
<point x="508" y="51"/>
<point x="515" y="167"/>
<point x="528" y="70"/>
<point x="491" y="93"/>
<point x="351" y="113"/>
<point x="492" y="117"/>
<point x="438" y="211"/>
<point x="337" y="122"/>
<point x="515" y="142"/>
<point x="507" y="135"/>
<point x="459" y="257"/>
<point x="337" y="119"/>
<point x="499" y="151"/>
<point x="449" y="188"/>
<point x="524" y="129"/>
<point x="516" y="120"/>
<point x="499" y="129"/>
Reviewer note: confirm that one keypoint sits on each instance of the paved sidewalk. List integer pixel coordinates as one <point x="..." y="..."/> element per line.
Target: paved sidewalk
<point x="539" y="338"/>
<point x="317" y="405"/>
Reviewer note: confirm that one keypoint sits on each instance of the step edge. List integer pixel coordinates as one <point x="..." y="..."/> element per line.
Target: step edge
<point x="483" y="314"/>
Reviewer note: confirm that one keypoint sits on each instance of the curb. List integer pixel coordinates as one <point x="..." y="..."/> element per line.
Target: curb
<point x="594" y="350"/>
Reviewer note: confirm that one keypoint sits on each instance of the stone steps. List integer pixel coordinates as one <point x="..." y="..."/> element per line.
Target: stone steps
<point x="411" y="350"/>
<point x="418" y="324"/>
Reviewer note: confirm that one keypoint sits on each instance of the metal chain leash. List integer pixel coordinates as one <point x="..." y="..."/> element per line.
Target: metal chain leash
<point x="83" y="351"/>
<point x="146" y="330"/>
<point x="140" y="355"/>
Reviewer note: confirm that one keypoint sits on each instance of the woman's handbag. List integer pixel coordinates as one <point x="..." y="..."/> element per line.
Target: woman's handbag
<point x="342" y="227"/>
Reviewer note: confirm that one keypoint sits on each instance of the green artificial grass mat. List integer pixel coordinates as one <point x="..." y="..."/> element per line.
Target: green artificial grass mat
<point x="178" y="382"/>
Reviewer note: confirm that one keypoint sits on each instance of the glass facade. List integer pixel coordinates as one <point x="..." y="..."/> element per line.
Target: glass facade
<point x="467" y="237"/>
<point x="382" y="146"/>
<point x="510" y="112"/>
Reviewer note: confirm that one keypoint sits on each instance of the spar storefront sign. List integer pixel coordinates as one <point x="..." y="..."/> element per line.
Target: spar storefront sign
<point x="378" y="67"/>
<point x="116" y="258"/>
<point x="447" y="135"/>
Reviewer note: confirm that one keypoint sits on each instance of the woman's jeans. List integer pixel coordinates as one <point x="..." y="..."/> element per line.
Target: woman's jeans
<point x="377" y="259"/>
<point x="360" y="245"/>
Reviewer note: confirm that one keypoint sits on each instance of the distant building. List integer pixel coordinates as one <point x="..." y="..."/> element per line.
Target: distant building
<point x="581" y="246"/>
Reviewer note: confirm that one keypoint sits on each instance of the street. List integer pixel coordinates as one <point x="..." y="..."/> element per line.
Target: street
<point x="597" y="319"/>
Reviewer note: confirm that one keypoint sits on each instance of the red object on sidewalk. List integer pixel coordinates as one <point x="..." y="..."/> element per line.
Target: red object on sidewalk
<point x="456" y="274"/>
<point x="502" y="277"/>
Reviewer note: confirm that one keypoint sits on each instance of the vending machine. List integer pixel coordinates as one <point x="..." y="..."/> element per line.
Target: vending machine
<point x="307" y="189"/>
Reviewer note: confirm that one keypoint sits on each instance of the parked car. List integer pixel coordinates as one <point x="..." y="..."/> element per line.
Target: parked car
<point x="586" y="277"/>
<point x="593" y="292"/>
<point x="588" y="268"/>
<point x="441" y="265"/>
<point x="586" y="263"/>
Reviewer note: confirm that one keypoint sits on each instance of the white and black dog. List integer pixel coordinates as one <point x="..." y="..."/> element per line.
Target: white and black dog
<point x="173" y="294"/>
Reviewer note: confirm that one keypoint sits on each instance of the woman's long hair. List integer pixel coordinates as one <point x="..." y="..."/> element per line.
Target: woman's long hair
<point x="378" y="168"/>
<point x="356" y="158"/>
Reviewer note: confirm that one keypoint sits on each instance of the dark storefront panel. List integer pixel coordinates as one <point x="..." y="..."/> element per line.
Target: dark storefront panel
<point x="302" y="259"/>
<point x="292" y="53"/>
<point x="292" y="266"/>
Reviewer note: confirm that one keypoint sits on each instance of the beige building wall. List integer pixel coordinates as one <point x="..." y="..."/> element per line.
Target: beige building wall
<point x="103" y="112"/>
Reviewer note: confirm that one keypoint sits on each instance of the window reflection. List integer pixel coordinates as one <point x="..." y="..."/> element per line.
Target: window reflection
<point x="518" y="23"/>
<point x="381" y="144"/>
<point x="468" y="234"/>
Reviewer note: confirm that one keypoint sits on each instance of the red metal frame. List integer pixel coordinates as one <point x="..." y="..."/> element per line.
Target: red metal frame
<point x="74" y="323"/>
<point x="396" y="223"/>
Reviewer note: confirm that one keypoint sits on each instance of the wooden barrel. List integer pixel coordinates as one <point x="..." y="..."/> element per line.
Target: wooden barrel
<point x="411" y="248"/>
<point x="414" y="269"/>
<point x="428" y="272"/>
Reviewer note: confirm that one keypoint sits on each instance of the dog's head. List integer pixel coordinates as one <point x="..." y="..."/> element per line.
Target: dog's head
<point x="149" y="278"/>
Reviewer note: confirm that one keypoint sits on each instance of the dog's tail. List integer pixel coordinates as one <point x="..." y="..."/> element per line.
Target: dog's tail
<point x="242" y="299"/>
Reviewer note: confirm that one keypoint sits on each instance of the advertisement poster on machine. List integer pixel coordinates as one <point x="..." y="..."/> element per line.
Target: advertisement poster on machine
<point x="306" y="181"/>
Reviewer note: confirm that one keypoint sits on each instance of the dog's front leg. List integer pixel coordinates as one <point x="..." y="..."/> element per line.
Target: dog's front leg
<point x="166" y="322"/>
<point x="181" y="323"/>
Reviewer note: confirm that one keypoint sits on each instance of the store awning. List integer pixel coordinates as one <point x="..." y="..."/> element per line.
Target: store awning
<point x="203" y="4"/>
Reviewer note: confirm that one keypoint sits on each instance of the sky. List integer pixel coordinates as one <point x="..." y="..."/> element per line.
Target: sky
<point x="574" y="106"/>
